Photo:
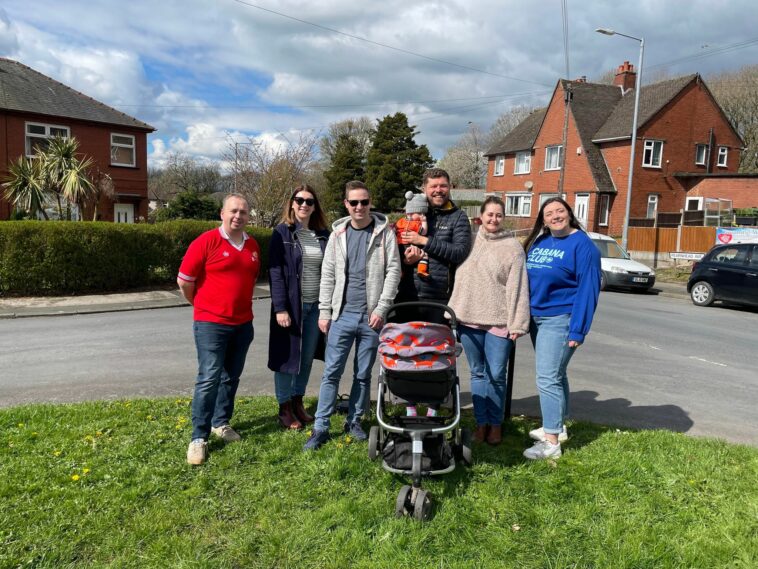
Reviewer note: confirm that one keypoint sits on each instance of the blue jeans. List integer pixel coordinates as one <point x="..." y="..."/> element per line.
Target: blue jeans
<point x="221" y="353"/>
<point x="487" y="357"/>
<point x="550" y="339"/>
<point x="349" y="328"/>
<point x="288" y="384"/>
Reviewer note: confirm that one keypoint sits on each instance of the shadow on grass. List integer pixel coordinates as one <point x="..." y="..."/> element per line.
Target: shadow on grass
<point x="618" y="412"/>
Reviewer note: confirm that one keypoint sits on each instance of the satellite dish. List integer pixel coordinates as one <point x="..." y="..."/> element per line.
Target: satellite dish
<point x="529" y="185"/>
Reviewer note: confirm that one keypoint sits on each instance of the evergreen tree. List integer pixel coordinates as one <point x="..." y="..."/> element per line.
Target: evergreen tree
<point x="346" y="165"/>
<point x="395" y="163"/>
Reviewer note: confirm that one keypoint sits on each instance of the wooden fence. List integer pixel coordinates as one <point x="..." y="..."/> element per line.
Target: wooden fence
<point x="664" y="240"/>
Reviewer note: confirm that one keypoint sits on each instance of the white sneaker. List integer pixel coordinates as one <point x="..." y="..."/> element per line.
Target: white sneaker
<point x="197" y="453"/>
<point x="542" y="450"/>
<point x="539" y="434"/>
<point x="226" y="433"/>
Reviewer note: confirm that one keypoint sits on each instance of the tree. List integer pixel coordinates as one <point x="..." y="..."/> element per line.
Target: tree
<point x="395" y="163"/>
<point x="189" y="205"/>
<point x="184" y="173"/>
<point x="66" y="175"/>
<point x="737" y="93"/>
<point x="506" y="122"/>
<point x="347" y="164"/>
<point x="24" y="187"/>
<point x="266" y="174"/>
<point x="361" y="130"/>
<point x="465" y="161"/>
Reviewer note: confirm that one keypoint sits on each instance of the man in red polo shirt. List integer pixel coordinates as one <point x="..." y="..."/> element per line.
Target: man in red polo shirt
<point x="217" y="277"/>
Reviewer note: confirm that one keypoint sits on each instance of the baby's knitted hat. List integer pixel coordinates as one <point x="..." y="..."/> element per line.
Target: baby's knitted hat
<point x="416" y="203"/>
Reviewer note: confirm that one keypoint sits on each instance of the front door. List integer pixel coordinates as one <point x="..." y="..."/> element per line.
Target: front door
<point x="581" y="207"/>
<point x="123" y="213"/>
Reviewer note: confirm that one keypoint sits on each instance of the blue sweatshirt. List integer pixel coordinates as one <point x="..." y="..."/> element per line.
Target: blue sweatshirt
<point x="564" y="278"/>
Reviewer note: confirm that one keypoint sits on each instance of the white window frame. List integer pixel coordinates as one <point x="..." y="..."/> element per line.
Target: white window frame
<point x="525" y="166"/>
<point x="652" y="199"/>
<point x="701" y="161"/>
<point x="545" y="197"/>
<point x="550" y="151"/>
<point x="518" y="204"/>
<point x="649" y="154"/>
<point x="28" y="136"/>
<point x="603" y="209"/>
<point x="723" y="159"/>
<point x="696" y="200"/>
<point x="133" y="147"/>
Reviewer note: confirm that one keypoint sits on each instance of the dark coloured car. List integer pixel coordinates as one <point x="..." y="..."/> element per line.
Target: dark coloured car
<point x="728" y="273"/>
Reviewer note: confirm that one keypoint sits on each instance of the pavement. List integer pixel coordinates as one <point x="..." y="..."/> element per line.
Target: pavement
<point x="26" y="307"/>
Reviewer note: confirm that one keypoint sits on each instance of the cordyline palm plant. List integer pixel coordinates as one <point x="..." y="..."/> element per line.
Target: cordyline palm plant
<point x="66" y="175"/>
<point x="25" y="188"/>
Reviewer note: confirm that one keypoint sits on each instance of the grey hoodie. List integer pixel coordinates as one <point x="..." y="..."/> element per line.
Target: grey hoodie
<point x="382" y="269"/>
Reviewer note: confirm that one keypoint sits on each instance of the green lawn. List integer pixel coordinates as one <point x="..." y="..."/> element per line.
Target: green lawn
<point x="105" y="484"/>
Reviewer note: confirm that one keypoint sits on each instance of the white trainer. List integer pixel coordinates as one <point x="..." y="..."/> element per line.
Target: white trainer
<point x="197" y="453"/>
<point x="539" y="434"/>
<point x="542" y="450"/>
<point x="226" y="433"/>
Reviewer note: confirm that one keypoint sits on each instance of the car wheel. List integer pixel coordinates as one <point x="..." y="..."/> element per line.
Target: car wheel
<point x="702" y="294"/>
<point x="603" y="281"/>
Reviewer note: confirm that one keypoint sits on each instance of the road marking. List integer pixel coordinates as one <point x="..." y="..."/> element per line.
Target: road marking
<point x="707" y="361"/>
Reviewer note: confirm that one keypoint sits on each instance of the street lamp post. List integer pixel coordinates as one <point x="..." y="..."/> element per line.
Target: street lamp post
<point x="609" y="32"/>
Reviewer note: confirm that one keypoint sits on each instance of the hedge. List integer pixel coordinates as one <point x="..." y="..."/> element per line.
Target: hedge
<point x="51" y="258"/>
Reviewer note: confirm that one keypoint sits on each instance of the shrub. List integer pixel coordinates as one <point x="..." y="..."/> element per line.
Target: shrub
<point x="47" y="258"/>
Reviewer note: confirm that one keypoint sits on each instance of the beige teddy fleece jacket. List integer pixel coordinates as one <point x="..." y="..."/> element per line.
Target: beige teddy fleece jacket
<point x="491" y="286"/>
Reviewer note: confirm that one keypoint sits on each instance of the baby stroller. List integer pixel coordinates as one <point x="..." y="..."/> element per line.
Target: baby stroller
<point x="418" y="364"/>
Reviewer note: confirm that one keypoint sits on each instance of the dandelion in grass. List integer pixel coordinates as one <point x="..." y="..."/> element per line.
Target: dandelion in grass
<point x="339" y="445"/>
<point x="99" y="434"/>
<point x="348" y="440"/>
<point x="75" y="477"/>
<point x="56" y="453"/>
<point x="89" y="438"/>
<point x="20" y="425"/>
<point x="309" y="433"/>
<point x="85" y="471"/>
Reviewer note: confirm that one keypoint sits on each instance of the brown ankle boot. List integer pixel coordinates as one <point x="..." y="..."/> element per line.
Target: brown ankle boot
<point x="298" y="409"/>
<point x="286" y="417"/>
<point x="495" y="436"/>
<point x="480" y="434"/>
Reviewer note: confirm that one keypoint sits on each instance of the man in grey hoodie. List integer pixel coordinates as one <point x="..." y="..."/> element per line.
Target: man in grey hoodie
<point x="359" y="279"/>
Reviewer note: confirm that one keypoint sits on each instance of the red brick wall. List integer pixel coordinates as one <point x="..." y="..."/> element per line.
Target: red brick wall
<point x="742" y="191"/>
<point x="94" y="141"/>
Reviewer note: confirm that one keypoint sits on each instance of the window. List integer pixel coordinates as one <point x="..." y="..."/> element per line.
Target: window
<point x="499" y="166"/>
<point x="723" y="152"/>
<point x="693" y="204"/>
<point x="652" y="206"/>
<point x="553" y="157"/>
<point x="122" y="150"/>
<point x="545" y="197"/>
<point x="523" y="162"/>
<point x="701" y="152"/>
<point x="38" y="134"/>
<point x="754" y="258"/>
<point x="519" y="205"/>
<point x="731" y="255"/>
<point x="652" y="153"/>
<point x="603" y="207"/>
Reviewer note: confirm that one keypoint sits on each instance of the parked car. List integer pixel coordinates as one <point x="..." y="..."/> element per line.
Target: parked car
<point x="619" y="270"/>
<point x="726" y="272"/>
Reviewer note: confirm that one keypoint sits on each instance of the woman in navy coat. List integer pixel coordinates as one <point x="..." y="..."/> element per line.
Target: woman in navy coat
<point x="295" y="256"/>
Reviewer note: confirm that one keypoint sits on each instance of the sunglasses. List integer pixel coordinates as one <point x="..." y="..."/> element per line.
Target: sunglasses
<point x="354" y="203"/>
<point x="306" y="201"/>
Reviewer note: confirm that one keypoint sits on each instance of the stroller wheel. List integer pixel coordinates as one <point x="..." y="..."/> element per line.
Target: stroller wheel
<point x="422" y="508"/>
<point x="373" y="442"/>
<point x="466" y="446"/>
<point x="402" y="505"/>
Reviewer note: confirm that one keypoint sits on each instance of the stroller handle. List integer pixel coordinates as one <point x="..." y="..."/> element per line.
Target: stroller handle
<point x="427" y="304"/>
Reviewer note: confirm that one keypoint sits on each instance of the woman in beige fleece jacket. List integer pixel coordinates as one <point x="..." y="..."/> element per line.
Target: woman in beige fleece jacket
<point x="491" y="302"/>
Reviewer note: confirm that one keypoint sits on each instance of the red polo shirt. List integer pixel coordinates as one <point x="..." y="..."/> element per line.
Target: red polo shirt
<point x="224" y="277"/>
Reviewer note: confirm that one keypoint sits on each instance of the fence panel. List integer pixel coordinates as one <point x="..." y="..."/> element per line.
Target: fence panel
<point x="697" y="239"/>
<point x="651" y="239"/>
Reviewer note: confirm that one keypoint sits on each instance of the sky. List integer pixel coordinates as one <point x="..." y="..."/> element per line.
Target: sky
<point x="207" y="72"/>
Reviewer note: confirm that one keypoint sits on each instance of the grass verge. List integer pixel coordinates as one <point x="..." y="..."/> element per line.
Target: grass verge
<point x="105" y="484"/>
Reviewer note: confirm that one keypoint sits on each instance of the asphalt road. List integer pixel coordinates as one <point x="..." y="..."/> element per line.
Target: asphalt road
<point x="649" y="362"/>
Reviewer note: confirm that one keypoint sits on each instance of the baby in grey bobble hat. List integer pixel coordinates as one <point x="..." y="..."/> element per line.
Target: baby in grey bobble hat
<point x="416" y="207"/>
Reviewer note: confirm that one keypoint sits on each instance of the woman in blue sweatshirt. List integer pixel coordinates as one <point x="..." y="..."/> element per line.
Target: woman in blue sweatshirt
<point x="564" y="284"/>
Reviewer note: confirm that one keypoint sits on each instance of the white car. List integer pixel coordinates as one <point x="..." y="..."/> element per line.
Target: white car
<point x="619" y="270"/>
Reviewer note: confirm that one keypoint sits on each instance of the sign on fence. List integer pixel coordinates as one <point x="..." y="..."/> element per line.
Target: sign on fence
<point x="726" y="235"/>
<point x="686" y="256"/>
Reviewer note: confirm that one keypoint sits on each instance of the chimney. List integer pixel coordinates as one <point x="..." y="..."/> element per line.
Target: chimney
<point x="625" y="76"/>
<point x="582" y="79"/>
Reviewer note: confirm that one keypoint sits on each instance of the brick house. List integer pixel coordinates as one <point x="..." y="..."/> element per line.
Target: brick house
<point x="686" y="150"/>
<point x="34" y="107"/>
